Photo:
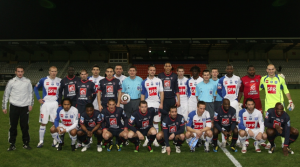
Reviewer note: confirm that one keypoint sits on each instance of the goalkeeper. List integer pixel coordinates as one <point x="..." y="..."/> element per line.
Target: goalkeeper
<point x="273" y="85"/>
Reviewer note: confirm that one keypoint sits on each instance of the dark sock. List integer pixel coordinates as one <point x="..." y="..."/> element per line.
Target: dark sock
<point x="271" y="140"/>
<point x="179" y="142"/>
<point x="134" y="140"/>
<point x="234" y="139"/>
<point x="161" y="142"/>
<point x="82" y="138"/>
<point x="99" y="139"/>
<point x="62" y="137"/>
<point x="107" y="141"/>
<point x="151" y="138"/>
<point x="215" y="140"/>
<point x="293" y="138"/>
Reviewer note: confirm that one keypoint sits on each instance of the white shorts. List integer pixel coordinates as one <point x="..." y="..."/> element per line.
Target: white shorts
<point x="235" y="105"/>
<point x="255" y="131"/>
<point x="95" y="104"/>
<point x="157" y="118"/>
<point x="183" y="110"/>
<point x="202" y="137"/>
<point x="192" y="105"/>
<point x="48" y="109"/>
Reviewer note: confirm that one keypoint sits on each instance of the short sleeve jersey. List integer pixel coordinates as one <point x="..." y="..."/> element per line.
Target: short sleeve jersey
<point x="109" y="89"/>
<point x="250" y="86"/>
<point x="151" y="89"/>
<point x="198" y="122"/>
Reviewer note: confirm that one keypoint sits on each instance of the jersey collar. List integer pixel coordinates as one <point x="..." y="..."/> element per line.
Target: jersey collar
<point x="84" y="81"/>
<point x="71" y="78"/>
<point x="110" y="79"/>
<point x="172" y="118"/>
<point x="167" y="74"/>
<point x="224" y="110"/>
<point x="142" y="113"/>
<point x="110" y="111"/>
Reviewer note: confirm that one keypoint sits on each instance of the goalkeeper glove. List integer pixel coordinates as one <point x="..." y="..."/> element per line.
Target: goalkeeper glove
<point x="291" y="105"/>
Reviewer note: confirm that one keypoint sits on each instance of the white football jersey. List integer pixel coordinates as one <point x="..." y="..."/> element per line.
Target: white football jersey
<point x="97" y="84"/>
<point x="251" y="121"/>
<point x="229" y="87"/>
<point x="121" y="78"/>
<point x="183" y="89"/>
<point x="68" y="118"/>
<point x="151" y="89"/>
<point x="192" y="83"/>
<point x="50" y="88"/>
<point x="198" y="122"/>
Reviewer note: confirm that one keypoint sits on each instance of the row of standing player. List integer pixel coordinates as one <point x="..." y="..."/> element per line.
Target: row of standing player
<point x="168" y="84"/>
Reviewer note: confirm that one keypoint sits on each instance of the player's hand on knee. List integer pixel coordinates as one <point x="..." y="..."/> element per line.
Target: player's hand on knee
<point x="278" y="128"/>
<point x="168" y="150"/>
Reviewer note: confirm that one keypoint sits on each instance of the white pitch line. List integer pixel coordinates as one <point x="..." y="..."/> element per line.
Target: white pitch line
<point x="227" y="153"/>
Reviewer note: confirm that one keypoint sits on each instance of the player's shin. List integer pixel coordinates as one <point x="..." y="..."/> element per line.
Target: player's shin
<point x="155" y="125"/>
<point x="107" y="141"/>
<point x="56" y="137"/>
<point x="208" y="140"/>
<point x="234" y="139"/>
<point x="161" y="142"/>
<point x="42" y="133"/>
<point x="179" y="142"/>
<point x="134" y="140"/>
<point x="151" y="139"/>
<point x="99" y="139"/>
<point x="73" y="139"/>
<point x="243" y="139"/>
<point x="271" y="140"/>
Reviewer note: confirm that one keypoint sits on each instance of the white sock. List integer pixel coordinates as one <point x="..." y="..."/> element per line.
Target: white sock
<point x="261" y="141"/>
<point x="73" y="138"/>
<point x="208" y="140"/>
<point x="242" y="139"/>
<point x="223" y="138"/>
<point x="56" y="137"/>
<point x="156" y="127"/>
<point x="188" y="140"/>
<point x="42" y="133"/>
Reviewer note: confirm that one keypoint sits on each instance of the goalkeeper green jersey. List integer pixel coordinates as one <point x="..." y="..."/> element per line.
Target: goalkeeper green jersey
<point x="273" y="88"/>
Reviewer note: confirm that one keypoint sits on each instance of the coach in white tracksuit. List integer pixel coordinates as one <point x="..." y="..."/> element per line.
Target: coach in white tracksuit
<point x="19" y="92"/>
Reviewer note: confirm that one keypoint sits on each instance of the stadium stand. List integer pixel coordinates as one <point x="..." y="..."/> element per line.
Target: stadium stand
<point x="142" y="69"/>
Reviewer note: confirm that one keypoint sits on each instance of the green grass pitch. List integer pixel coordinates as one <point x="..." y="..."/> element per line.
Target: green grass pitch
<point x="48" y="156"/>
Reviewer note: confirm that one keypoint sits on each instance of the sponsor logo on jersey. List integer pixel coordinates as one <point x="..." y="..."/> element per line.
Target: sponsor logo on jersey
<point x="250" y="124"/>
<point x="42" y="116"/>
<point x="252" y="87"/>
<point x="267" y="81"/>
<point x="145" y="123"/>
<point x="193" y="90"/>
<point x="225" y="121"/>
<point x="152" y="91"/>
<point x="167" y="83"/>
<point x="109" y="89"/>
<point x="82" y="120"/>
<point x="112" y="121"/>
<point x="92" y="124"/>
<point x="71" y="116"/>
<point x="275" y="82"/>
<point x="71" y="88"/>
<point x="147" y="84"/>
<point x="57" y="84"/>
<point x="182" y="90"/>
<point x="52" y="91"/>
<point x="231" y="89"/>
<point x="61" y="115"/>
<point x="47" y="83"/>
<point x="255" y="118"/>
<point x="67" y="122"/>
<point x="82" y="91"/>
<point x="271" y="89"/>
<point x="198" y="125"/>
<point x="277" y="123"/>
<point x="226" y="82"/>
<point x="172" y="129"/>
<point x="131" y="119"/>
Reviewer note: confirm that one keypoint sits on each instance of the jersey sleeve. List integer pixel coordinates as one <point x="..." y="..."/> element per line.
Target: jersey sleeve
<point x="60" y="91"/>
<point x="124" y="117"/>
<point x="131" y="122"/>
<point x="287" y="128"/>
<point x="124" y="89"/>
<point x="261" y="85"/>
<point x="215" y="93"/>
<point x="190" y="119"/>
<point x="217" y="121"/>
<point x="176" y="85"/>
<point x="144" y="90"/>
<point x="188" y="91"/>
<point x="261" y="122"/>
<point x="75" y="121"/>
<point x="40" y="84"/>
<point x="242" y="86"/>
<point x="208" y="120"/>
<point x="165" y="130"/>
<point x="241" y="121"/>
<point x="198" y="90"/>
<point x="161" y="89"/>
<point x="119" y="85"/>
<point x="268" y="122"/>
<point x="283" y="86"/>
<point x="220" y="87"/>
